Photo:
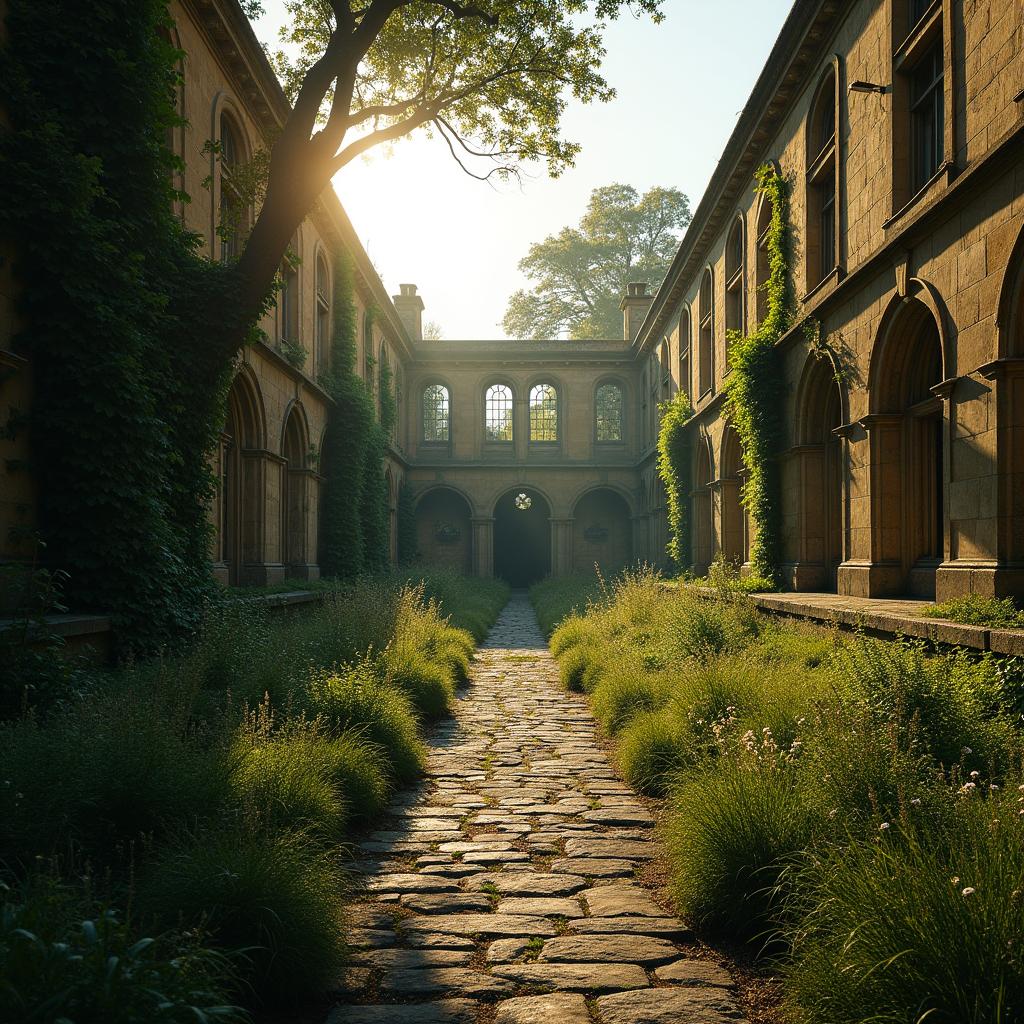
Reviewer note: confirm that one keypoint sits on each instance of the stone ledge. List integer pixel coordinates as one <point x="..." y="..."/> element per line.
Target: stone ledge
<point x="889" y="617"/>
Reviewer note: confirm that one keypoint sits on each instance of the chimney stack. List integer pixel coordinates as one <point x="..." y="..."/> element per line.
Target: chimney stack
<point x="410" y="310"/>
<point x="634" y="306"/>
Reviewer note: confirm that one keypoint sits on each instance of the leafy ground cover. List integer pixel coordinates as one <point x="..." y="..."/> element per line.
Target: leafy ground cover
<point x="975" y="610"/>
<point x="850" y="807"/>
<point x="170" y="833"/>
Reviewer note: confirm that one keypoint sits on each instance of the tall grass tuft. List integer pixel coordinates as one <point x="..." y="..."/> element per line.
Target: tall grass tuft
<point x="274" y="895"/>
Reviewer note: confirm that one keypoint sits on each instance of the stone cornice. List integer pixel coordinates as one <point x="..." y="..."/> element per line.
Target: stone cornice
<point x="793" y="59"/>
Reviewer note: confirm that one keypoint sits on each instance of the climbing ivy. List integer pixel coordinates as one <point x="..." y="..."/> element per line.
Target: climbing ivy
<point x="407" y="545"/>
<point x="349" y="424"/>
<point x="376" y="528"/>
<point x="119" y="309"/>
<point x="754" y="389"/>
<point x="674" y="460"/>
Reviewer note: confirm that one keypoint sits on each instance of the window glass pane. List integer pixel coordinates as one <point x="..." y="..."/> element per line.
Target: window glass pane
<point x="435" y="413"/>
<point x="609" y="412"/>
<point x="498" y="413"/>
<point x="543" y="413"/>
<point x="827" y="237"/>
<point x="927" y="118"/>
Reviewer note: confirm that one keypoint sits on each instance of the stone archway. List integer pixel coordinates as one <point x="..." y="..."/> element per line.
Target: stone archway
<point x="602" y="532"/>
<point x="444" y="530"/>
<point x="906" y="429"/>
<point x="241" y="482"/>
<point x="522" y="537"/>
<point x="734" y="546"/>
<point x="820" y="454"/>
<point x="296" y="497"/>
<point x="701" y="508"/>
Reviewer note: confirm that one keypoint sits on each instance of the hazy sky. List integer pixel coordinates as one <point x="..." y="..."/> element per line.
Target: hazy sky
<point x="680" y="87"/>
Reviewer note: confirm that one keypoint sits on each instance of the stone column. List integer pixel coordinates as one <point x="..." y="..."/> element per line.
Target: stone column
<point x="561" y="546"/>
<point x="299" y="545"/>
<point x="260" y="497"/>
<point x="483" y="546"/>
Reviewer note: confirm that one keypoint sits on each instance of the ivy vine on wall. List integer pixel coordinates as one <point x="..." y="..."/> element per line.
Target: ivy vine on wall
<point x="675" y="451"/>
<point x="754" y="389"/>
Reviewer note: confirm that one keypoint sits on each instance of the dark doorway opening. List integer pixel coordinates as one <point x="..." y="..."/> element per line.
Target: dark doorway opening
<point x="522" y="537"/>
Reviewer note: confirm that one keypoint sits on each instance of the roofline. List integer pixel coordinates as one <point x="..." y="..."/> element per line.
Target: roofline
<point x="807" y="26"/>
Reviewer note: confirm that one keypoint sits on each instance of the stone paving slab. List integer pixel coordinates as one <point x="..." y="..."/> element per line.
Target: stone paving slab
<point x="510" y="870"/>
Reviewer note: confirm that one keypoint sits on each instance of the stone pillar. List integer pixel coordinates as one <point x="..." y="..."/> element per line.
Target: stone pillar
<point x="409" y="307"/>
<point x="483" y="546"/>
<point x="634" y="306"/>
<point x="561" y="546"/>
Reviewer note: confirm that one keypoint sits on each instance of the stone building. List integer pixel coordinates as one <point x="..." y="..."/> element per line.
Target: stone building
<point x="899" y="125"/>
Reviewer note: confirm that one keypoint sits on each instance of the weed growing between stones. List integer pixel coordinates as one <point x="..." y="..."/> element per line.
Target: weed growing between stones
<point x="850" y="806"/>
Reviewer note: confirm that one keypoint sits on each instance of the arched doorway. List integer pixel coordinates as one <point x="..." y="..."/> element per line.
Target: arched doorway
<point x="821" y="477"/>
<point x="602" y="532"/>
<point x="444" y="531"/>
<point x="295" y="495"/>
<point x="701" y="506"/>
<point x="239" y="509"/>
<point x="908" y="472"/>
<point x="733" y="526"/>
<point x="522" y="537"/>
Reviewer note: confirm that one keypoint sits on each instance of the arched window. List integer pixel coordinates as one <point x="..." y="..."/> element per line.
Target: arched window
<point x="706" y="342"/>
<point x="543" y="413"/>
<point x="608" y="413"/>
<point x="234" y="212"/>
<point x="323" y="313"/>
<point x="288" y="303"/>
<point x="436" y="428"/>
<point x="735" y="266"/>
<point x="665" y="360"/>
<point x="821" y="230"/>
<point x="498" y="413"/>
<point x="684" y="352"/>
<point x="368" y="347"/>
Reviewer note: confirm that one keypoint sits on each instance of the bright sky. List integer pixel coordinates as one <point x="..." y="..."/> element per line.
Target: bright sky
<point x="680" y="87"/>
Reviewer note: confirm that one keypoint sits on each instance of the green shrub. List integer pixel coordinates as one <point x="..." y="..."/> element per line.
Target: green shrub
<point x="733" y="828"/>
<point x="653" y="750"/>
<point x="975" y="610"/>
<point x="277" y="896"/>
<point x="354" y="700"/>
<point x="572" y="630"/>
<point x="103" y="774"/>
<point x="903" y="924"/>
<point x="58" y="966"/>
<point x="360" y="770"/>
<point x="624" y="693"/>
<point x="571" y="667"/>
<point x="949" y="706"/>
<point x="285" y="784"/>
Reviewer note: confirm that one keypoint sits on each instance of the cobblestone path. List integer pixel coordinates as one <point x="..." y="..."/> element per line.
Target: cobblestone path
<point x="503" y="889"/>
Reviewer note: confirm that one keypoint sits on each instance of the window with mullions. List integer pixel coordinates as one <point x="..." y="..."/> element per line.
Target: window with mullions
<point x="435" y="414"/>
<point x="684" y="352"/>
<point x="323" y="313"/>
<point x="735" y="270"/>
<point x="821" y="251"/>
<point x="498" y="413"/>
<point x="543" y="413"/>
<point x="927" y="120"/>
<point x="234" y="221"/>
<point x="608" y="413"/>
<point x="706" y="340"/>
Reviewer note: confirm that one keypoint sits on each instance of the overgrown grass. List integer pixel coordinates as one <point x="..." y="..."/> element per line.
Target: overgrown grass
<point x="975" y="610"/>
<point x="823" y="790"/>
<point x="212" y="792"/>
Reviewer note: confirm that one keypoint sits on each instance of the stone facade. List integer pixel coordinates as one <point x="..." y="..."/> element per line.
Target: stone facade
<point x="900" y="128"/>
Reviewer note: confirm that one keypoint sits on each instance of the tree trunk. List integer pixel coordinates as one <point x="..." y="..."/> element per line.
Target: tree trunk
<point x="295" y="180"/>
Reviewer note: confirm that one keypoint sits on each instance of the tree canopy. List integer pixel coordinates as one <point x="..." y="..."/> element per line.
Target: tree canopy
<point x="491" y="78"/>
<point x="581" y="273"/>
